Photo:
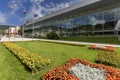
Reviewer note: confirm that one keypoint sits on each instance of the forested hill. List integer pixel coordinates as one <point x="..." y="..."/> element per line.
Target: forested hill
<point x="4" y="27"/>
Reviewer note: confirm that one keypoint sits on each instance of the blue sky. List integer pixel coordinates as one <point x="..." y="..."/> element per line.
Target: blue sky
<point x="11" y="11"/>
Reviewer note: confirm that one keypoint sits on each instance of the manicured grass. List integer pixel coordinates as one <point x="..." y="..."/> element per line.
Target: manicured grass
<point x="58" y="53"/>
<point x="110" y="40"/>
<point x="12" y="69"/>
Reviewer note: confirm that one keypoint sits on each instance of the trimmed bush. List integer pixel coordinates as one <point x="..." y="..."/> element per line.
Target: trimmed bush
<point x="108" y="58"/>
<point x="52" y="35"/>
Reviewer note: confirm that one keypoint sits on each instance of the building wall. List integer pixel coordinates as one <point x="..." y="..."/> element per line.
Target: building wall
<point x="94" y="22"/>
<point x="12" y="31"/>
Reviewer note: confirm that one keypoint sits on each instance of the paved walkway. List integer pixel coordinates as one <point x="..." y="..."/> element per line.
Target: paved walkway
<point x="87" y="43"/>
<point x="60" y="41"/>
<point x="4" y="39"/>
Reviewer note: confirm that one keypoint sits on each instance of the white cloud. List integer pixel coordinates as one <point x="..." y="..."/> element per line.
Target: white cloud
<point x="95" y="21"/>
<point x="36" y="1"/>
<point x="37" y="8"/>
<point x="33" y="11"/>
<point x="13" y="8"/>
<point x="3" y="18"/>
<point x="15" y="5"/>
<point x="49" y="8"/>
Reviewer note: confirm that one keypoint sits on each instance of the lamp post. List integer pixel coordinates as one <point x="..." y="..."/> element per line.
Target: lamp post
<point x="22" y="32"/>
<point x="10" y="7"/>
<point x="24" y="13"/>
<point x="9" y="32"/>
<point x="33" y="30"/>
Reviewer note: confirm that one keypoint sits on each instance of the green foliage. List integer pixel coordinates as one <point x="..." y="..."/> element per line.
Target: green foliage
<point x="52" y="35"/>
<point x="108" y="58"/>
<point x="10" y="66"/>
<point x="2" y="31"/>
<point x="40" y="37"/>
<point x="58" y="53"/>
<point x="61" y="34"/>
<point x="111" y="40"/>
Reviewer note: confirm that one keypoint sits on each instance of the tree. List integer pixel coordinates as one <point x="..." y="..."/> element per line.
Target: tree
<point x="2" y="31"/>
<point x="52" y="35"/>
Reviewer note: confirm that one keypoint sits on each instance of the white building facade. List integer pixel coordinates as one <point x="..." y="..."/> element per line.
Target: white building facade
<point x="12" y="31"/>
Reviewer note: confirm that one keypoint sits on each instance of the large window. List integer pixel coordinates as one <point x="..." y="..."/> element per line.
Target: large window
<point x="117" y="16"/>
<point x="82" y="23"/>
<point x="96" y="21"/>
<point x="100" y="22"/>
<point x="109" y="17"/>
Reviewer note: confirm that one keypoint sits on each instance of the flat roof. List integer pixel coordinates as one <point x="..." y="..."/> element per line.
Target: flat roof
<point x="81" y="7"/>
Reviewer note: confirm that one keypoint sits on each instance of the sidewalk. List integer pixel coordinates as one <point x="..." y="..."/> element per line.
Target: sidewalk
<point x="86" y="43"/>
<point x="73" y="42"/>
<point x="16" y="39"/>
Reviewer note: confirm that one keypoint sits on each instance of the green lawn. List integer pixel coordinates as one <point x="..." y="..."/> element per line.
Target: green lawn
<point x="110" y="40"/>
<point x="12" y="69"/>
<point x="58" y="53"/>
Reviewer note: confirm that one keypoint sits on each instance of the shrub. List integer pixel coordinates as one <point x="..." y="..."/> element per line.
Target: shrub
<point x="52" y="35"/>
<point x="108" y="58"/>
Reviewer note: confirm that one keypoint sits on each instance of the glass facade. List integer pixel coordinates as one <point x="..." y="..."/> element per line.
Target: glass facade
<point x="100" y="23"/>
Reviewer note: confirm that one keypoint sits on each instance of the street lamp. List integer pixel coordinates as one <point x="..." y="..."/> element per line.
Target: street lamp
<point x="9" y="32"/>
<point x="24" y="13"/>
<point x="33" y="32"/>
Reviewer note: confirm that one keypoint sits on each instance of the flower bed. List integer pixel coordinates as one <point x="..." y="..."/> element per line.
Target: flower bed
<point x="108" y="58"/>
<point x="58" y="73"/>
<point x="87" y="73"/>
<point x="108" y="73"/>
<point x="101" y="47"/>
<point x="31" y="60"/>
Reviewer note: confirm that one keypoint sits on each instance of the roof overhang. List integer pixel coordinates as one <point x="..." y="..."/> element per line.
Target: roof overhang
<point x="82" y="8"/>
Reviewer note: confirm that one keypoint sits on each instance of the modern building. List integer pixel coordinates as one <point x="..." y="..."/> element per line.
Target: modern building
<point x="89" y="17"/>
